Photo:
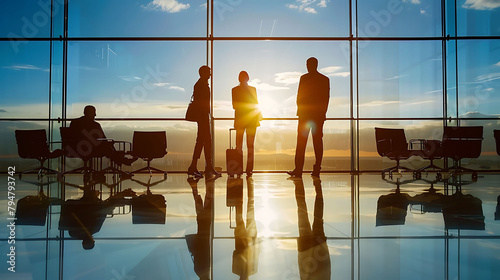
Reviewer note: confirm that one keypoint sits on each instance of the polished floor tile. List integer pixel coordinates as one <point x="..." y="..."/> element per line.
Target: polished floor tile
<point x="267" y="227"/>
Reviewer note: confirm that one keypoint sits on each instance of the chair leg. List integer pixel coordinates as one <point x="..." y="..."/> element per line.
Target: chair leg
<point x="150" y="170"/>
<point x="460" y="169"/>
<point x="39" y="170"/>
<point x="430" y="166"/>
<point x="395" y="168"/>
<point x="84" y="169"/>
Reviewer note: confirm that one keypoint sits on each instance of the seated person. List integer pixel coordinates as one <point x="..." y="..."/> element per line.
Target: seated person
<point x="84" y="217"/>
<point x="87" y="129"/>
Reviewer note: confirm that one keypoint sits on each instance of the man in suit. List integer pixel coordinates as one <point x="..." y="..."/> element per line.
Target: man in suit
<point x="312" y="103"/>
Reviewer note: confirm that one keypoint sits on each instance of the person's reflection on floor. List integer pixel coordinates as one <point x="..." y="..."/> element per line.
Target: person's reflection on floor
<point x="84" y="217"/>
<point x="246" y="251"/>
<point x="497" y="212"/>
<point x="313" y="254"/>
<point x="199" y="243"/>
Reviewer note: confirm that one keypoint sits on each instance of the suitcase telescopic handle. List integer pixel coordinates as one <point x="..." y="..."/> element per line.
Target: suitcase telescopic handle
<point x="231" y="129"/>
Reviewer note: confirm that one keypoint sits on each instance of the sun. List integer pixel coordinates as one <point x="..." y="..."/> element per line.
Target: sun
<point x="268" y="106"/>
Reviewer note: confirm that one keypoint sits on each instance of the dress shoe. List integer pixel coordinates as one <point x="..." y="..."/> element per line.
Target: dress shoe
<point x="294" y="174"/>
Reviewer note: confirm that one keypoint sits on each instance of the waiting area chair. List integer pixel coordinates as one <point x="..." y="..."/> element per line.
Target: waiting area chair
<point x="74" y="147"/>
<point x="392" y="209"/>
<point x="391" y="143"/>
<point x="460" y="143"/>
<point x="431" y="150"/>
<point x="32" y="144"/>
<point x="149" y="145"/>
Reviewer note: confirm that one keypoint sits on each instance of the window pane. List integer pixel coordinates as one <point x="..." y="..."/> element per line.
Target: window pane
<point x="274" y="69"/>
<point x="143" y="18"/>
<point x="133" y="79"/>
<point x="479" y="78"/>
<point x="369" y="159"/>
<point x="396" y="251"/>
<point x="399" y="18"/>
<point x="26" y="19"/>
<point x="24" y="76"/>
<point x="8" y="149"/>
<point x="263" y="18"/>
<point x="400" y="79"/>
<point x="275" y="144"/>
<point x="489" y="158"/>
<point x="478" y="18"/>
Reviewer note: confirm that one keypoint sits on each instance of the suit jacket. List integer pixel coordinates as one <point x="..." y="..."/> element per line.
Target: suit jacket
<point x="246" y="113"/>
<point x="313" y="96"/>
<point x="87" y="129"/>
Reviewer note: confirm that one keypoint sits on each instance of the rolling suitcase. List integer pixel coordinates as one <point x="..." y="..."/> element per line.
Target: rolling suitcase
<point x="234" y="196"/>
<point x="234" y="159"/>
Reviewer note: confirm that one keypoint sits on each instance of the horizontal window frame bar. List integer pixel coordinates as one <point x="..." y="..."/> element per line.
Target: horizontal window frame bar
<point x="264" y="119"/>
<point x="343" y="38"/>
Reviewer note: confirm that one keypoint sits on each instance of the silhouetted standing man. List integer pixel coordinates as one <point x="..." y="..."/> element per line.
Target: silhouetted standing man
<point x="312" y="103"/>
<point x="313" y="254"/>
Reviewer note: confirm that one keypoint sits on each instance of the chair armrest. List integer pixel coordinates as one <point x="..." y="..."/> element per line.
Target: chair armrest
<point x="420" y="142"/>
<point x="415" y="142"/>
<point x="122" y="145"/>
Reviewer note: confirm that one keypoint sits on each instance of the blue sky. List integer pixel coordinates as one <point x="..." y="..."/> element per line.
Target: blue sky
<point x="392" y="76"/>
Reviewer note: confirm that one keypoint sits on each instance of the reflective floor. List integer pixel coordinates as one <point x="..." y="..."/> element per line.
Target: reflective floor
<point x="267" y="227"/>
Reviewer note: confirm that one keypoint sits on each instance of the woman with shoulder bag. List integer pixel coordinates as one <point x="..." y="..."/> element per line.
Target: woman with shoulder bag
<point x="199" y="111"/>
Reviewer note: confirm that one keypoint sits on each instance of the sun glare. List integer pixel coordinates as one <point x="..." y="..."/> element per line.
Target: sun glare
<point x="265" y="215"/>
<point x="268" y="106"/>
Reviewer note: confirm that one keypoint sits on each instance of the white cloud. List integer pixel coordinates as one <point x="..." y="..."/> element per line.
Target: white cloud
<point x="24" y="67"/>
<point x="498" y="63"/>
<point x="161" y="84"/>
<point x="434" y="91"/>
<point x="322" y="3"/>
<point x="169" y="6"/>
<point x="395" y="77"/>
<point x="130" y="78"/>
<point x="416" y="2"/>
<point x="170" y="86"/>
<point x="310" y="10"/>
<point x="264" y="86"/>
<point x="177" y="88"/>
<point x="204" y="5"/>
<point x="307" y="5"/>
<point x="287" y="78"/>
<point x="481" y="4"/>
<point x="378" y="103"/>
<point x="487" y="78"/>
<point x="423" y="12"/>
<point x="339" y="74"/>
<point x="330" y="69"/>
<point x="422" y="102"/>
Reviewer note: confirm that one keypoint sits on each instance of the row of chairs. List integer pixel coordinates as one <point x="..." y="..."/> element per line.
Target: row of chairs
<point x="33" y="144"/>
<point x="457" y="143"/>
